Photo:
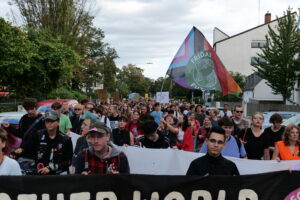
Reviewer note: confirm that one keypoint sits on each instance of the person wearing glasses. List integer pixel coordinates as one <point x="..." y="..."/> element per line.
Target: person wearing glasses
<point x="239" y="122"/>
<point x="76" y="119"/>
<point x="213" y="163"/>
<point x="234" y="147"/>
<point x="256" y="141"/>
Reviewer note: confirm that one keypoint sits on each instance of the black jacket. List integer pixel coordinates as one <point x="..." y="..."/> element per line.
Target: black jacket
<point x="208" y="165"/>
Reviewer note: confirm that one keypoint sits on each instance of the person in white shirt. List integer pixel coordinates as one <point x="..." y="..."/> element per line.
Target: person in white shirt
<point x="226" y="112"/>
<point x="8" y="166"/>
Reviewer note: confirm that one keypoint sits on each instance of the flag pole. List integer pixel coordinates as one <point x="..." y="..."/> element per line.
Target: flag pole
<point x="162" y="85"/>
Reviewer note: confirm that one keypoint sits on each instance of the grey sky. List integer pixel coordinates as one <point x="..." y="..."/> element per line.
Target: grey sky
<point x="151" y="31"/>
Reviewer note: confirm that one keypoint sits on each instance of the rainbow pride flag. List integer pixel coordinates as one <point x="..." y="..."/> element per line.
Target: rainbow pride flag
<point x="197" y="66"/>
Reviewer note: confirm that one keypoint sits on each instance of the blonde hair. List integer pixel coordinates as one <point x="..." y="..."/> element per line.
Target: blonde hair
<point x="287" y="133"/>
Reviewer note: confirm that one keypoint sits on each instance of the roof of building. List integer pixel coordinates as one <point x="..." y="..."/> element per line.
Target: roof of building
<point x="248" y="29"/>
<point x="251" y="81"/>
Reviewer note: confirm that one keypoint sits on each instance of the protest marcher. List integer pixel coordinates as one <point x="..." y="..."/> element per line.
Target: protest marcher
<point x="121" y="136"/>
<point x="133" y="126"/>
<point x="64" y="121"/>
<point x="29" y="123"/>
<point x="145" y="110"/>
<point x="126" y="110"/>
<point x="101" y="157"/>
<point x="275" y="131"/>
<point x="203" y="132"/>
<point x="152" y="137"/>
<point x="53" y="149"/>
<point x="167" y="127"/>
<point x="76" y="119"/>
<point x="213" y="163"/>
<point x="88" y="119"/>
<point x="88" y="106"/>
<point x="256" y="141"/>
<point x="67" y="110"/>
<point x="156" y="113"/>
<point x="113" y="116"/>
<point x="194" y="127"/>
<point x="8" y="166"/>
<point x="99" y="111"/>
<point x="288" y="148"/>
<point x="213" y="115"/>
<point x="185" y="140"/>
<point x="225" y="112"/>
<point x="238" y="121"/>
<point x="199" y="114"/>
<point x="234" y="147"/>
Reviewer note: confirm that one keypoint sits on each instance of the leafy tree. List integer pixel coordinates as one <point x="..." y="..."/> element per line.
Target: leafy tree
<point x="15" y="54"/>
<point x="71" y="21"/>
<point x="134" y="78"/>
<point x="281" y="55"/>
<point x="99" y="65"/>
<point x="32" y="62"/>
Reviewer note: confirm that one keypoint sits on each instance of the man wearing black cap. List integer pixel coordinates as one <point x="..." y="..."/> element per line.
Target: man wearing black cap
<point x="101" y="157"/>
<point x="52" y="149"/>
<point x="213" y="163"/>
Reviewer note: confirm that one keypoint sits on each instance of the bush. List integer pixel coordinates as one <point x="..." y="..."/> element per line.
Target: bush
<point x="8" y="107"/>
<point x="65" y="93"/>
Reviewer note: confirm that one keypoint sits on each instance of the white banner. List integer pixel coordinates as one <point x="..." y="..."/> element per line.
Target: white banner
<point x="176" y="162"/>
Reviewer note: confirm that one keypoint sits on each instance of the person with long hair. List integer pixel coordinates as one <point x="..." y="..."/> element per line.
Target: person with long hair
<point x="288" y="148"/>
<point x="256" y="141"/>
<point x="168" y="128"/>
<point x="203" y="131"/>
<point x="184" y="137"/>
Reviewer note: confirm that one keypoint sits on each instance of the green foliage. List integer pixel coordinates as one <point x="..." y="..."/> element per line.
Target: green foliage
<point x="8" y="107"/>
<point x="32" y="62"/>
<point x="15" y="53"/>
<point x="65" y="93"/>
<point x="71" y="21"/>
<point x="281" y="54"/>
<point x="133" y="77"/>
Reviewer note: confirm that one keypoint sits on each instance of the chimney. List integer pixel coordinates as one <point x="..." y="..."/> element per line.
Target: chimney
<point x="267" y="17"/>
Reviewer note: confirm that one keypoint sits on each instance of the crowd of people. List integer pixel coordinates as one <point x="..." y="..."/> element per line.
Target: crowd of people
<point x="84" y="139"/>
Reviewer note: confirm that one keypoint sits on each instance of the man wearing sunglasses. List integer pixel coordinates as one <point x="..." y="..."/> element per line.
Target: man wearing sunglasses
<point x="213" y="163"/>
<point x="239" y="122"/>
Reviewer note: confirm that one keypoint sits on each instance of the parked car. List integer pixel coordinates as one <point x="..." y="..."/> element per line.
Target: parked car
<point x="11" y="117"/>
<point x="45" y="105"/>
<point x="284" y="114"/>
<point x="292" y="120"/>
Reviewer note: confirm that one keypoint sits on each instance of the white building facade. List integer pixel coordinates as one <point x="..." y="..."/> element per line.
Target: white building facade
<point x="239" y="51"/>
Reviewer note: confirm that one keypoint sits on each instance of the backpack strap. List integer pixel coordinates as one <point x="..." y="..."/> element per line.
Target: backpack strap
<point x="33" y="124"/>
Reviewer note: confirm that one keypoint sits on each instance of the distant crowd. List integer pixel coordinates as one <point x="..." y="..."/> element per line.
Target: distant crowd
<point x="84" y="138"/>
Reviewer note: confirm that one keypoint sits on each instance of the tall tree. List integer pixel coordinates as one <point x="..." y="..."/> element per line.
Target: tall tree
<point x="72" y="21"/>
<point x="134" y="78"/>
<point x="32" y="61"/>
<point x="281" y="56"/>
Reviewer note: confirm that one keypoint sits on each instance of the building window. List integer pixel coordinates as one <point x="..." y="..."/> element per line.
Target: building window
<point x="256" y="60"/>
<point x="258" y="43"/>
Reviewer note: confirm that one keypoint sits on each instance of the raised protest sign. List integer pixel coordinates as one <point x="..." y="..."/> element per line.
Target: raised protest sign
<point x="102" y="95"/>
<point x="277" y="185"/>
<point x="162" y="97"/>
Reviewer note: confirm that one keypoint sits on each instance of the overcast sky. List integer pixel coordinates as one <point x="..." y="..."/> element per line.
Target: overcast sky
<point x="148" y="33"/>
